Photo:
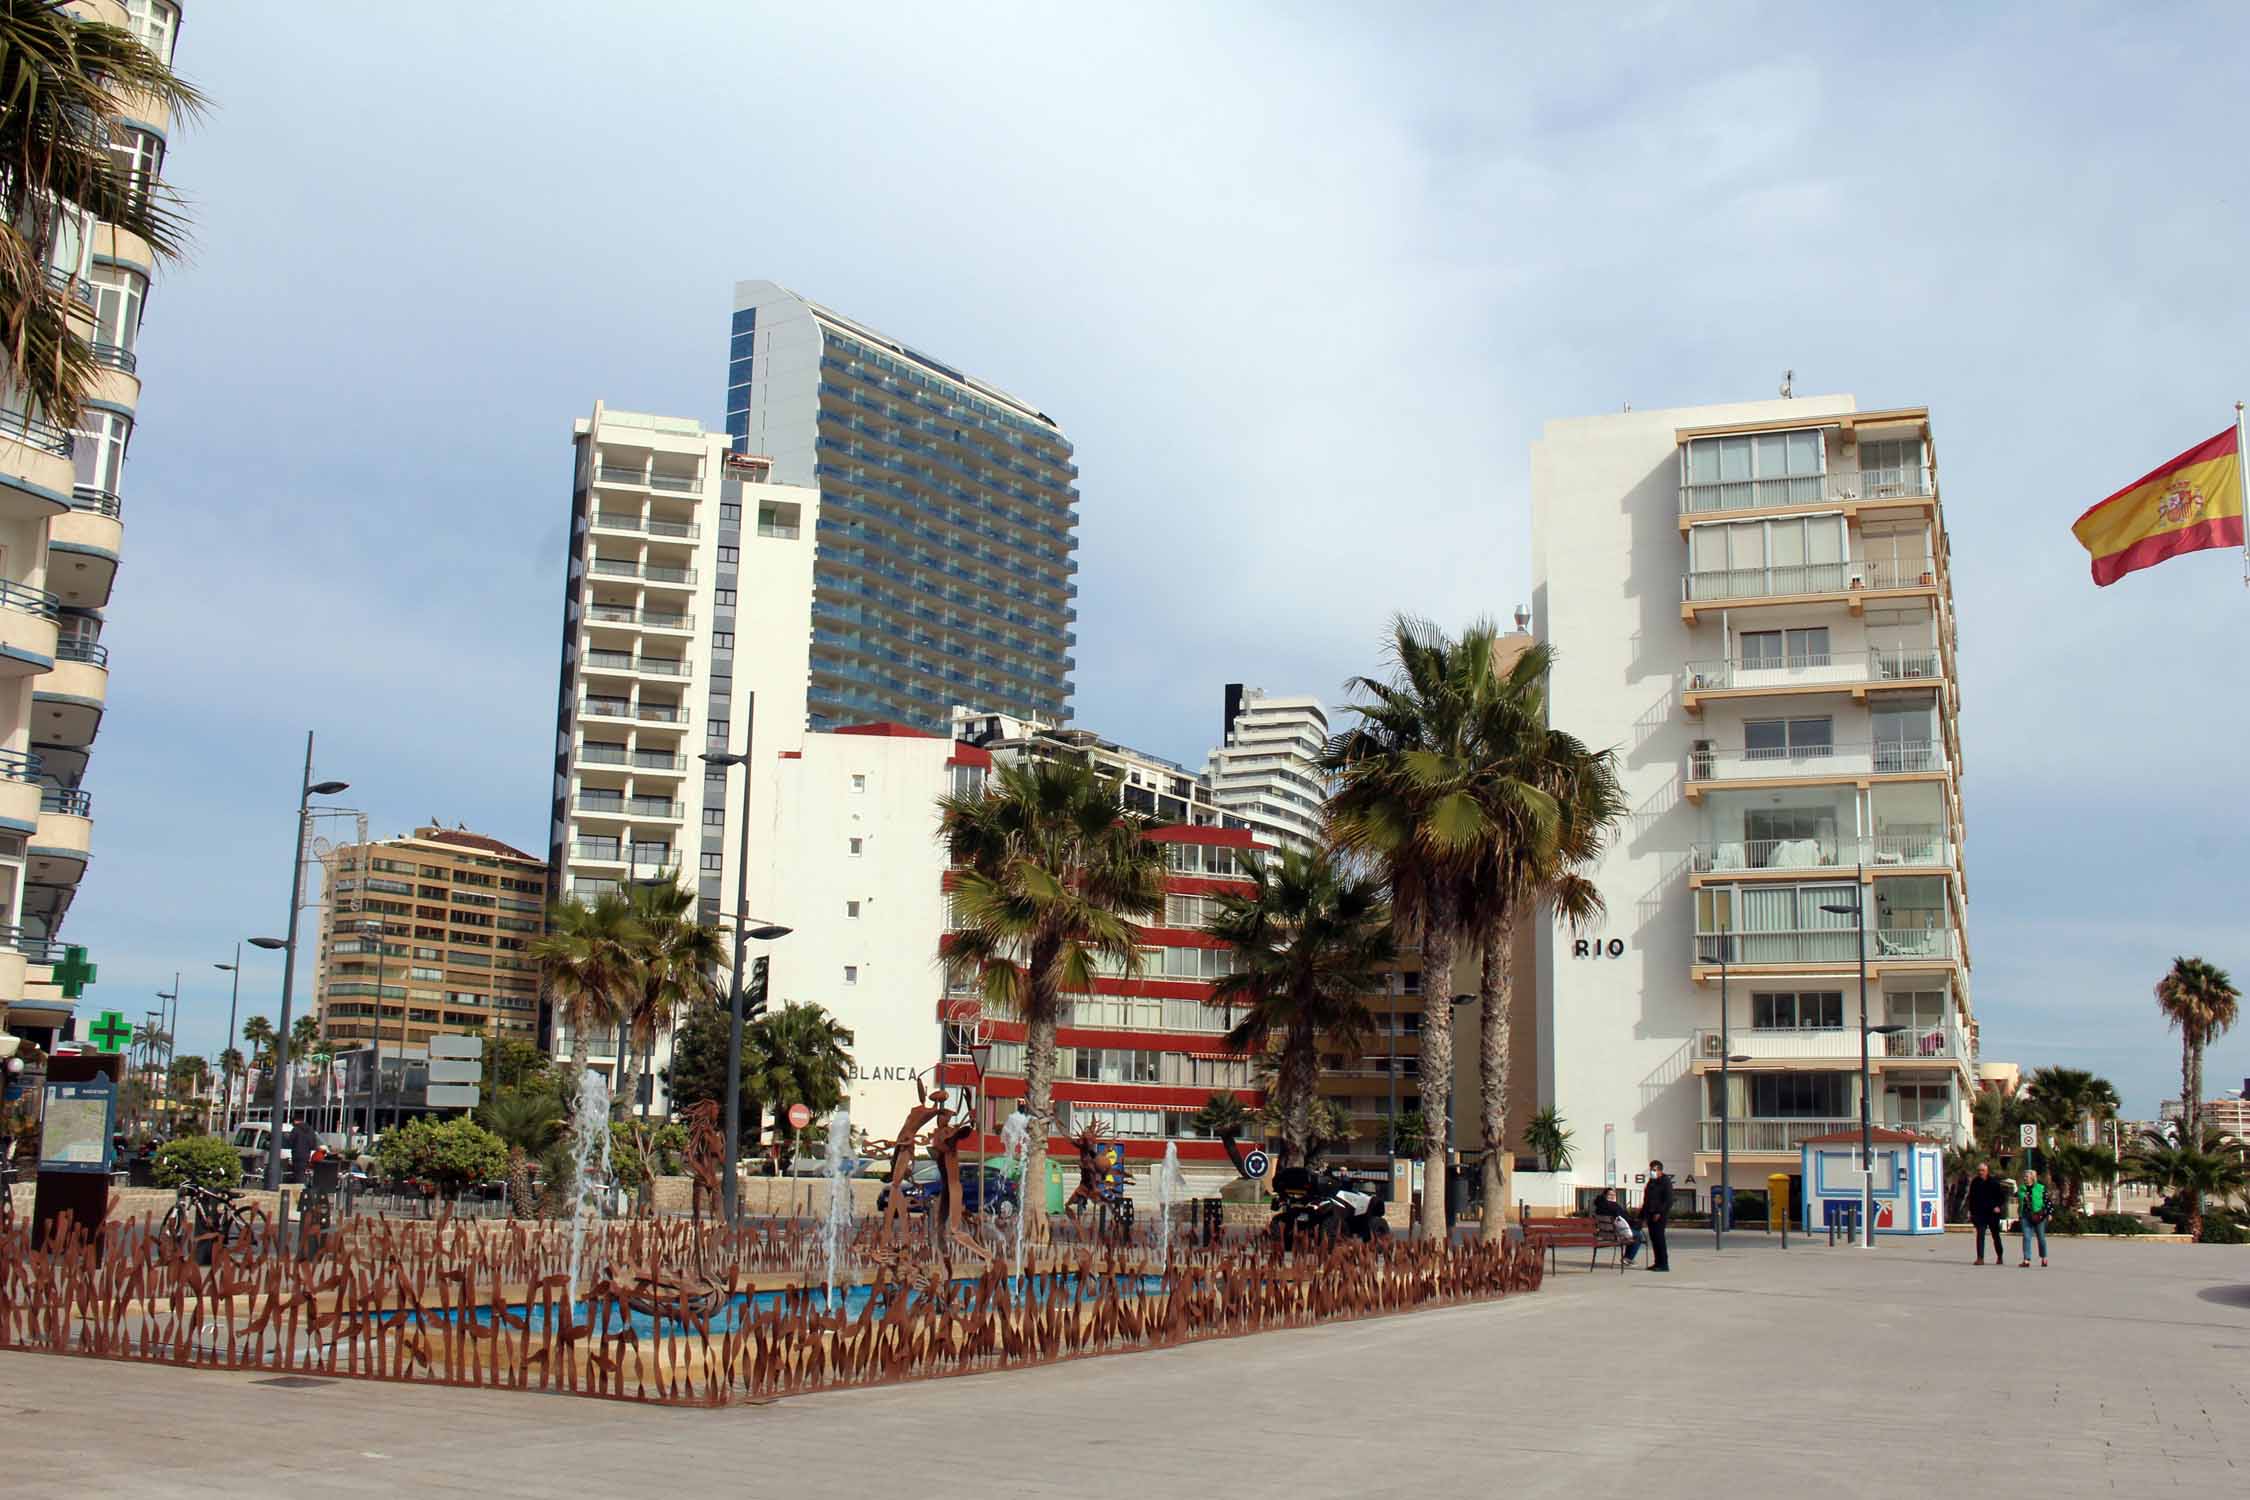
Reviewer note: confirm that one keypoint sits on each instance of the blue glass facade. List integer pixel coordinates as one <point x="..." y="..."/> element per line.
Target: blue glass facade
<point x="948" y="527"/>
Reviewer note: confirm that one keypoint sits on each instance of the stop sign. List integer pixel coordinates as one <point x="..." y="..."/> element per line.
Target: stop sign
<point x="799" y="1117"/>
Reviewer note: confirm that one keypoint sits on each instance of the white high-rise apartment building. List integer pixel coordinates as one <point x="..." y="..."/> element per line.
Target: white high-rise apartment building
<point x="1266" y="771"/>
<point x="1753" y="604"/>
<point x="61" y="540"/>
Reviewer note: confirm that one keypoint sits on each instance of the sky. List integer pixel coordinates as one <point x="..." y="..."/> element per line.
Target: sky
<point x="1301" y="282"/>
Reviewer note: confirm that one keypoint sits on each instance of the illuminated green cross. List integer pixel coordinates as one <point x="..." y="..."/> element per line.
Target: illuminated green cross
<point x="111" y="1032"/>
<point x="74" y="974"/>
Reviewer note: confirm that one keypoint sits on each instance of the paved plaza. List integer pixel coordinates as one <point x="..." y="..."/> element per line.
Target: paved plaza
<point x="2124" y="1369"/>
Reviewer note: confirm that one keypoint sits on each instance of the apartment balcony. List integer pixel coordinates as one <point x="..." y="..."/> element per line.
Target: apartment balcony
<point x="663" y="762"/>
<point x="1890" y="852"/>
<point x="20" y="792"/>
<point x="656" y="575"/>
<point x="1851" y="672"/>
<point x="597" y="852"/>
<point x="598" y="661"/>
<point x="615" y="476"/>
<point x="57" y="853"/>
<point x="1756" y="1137"/>
<point x="1873" y="489"/>
<point x="611" y="521"/>
<point x="28" y="626"/>
<point x="1851" y="583"/>
<point x="115" y="356"/>
<point x="640" y="713"/>
<point x="1833" y="1044"/>
<point x="1812" y="948"/>
<point x="1710" y="766"/>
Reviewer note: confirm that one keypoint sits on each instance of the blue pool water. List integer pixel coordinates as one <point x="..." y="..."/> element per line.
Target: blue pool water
<point x="1042" y="1289"/>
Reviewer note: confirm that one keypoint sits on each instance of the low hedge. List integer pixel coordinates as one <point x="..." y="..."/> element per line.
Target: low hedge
<point x="205" y="1160"/>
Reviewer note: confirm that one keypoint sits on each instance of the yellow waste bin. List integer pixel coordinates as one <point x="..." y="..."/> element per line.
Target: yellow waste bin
<point x="1777" y="1200"/>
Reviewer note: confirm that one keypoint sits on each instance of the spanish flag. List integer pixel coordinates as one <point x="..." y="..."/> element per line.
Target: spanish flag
<point x="2187" y="505"/>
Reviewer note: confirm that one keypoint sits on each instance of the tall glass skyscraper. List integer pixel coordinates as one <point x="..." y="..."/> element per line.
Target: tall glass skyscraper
<point x="948" y="517"/>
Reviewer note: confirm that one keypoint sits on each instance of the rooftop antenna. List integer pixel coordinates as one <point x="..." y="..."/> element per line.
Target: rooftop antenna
<point x="1788" y="382"/>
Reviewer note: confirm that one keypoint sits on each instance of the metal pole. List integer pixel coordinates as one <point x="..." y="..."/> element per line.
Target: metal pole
<point x="1866" y="1115"/>
<point x="234" y="1002"/>
<point x="732" y="1194"/>
<point x="1723" y="1210"/>
<point x="289" y="974"/>
<point x="172" y="1030"/>
<point x="375" y="1078"/>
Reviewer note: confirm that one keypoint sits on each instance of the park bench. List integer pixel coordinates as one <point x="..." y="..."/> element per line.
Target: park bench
<point x="1553" y="1236"/>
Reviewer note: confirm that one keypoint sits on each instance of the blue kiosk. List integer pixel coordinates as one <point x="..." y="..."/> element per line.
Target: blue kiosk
<point x="1909" y="1181"/>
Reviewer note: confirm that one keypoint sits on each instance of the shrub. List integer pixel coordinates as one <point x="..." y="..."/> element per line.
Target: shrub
<point x="2223" y="1226"/>
<point x="450" y="1155"/>
<point x="204" y="1160"/>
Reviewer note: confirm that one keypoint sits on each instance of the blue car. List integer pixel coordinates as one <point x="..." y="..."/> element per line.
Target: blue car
<point x="984" y="1189"/>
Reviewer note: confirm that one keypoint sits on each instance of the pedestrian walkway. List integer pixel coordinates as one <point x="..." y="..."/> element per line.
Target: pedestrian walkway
<point x="1813" y="1370"/>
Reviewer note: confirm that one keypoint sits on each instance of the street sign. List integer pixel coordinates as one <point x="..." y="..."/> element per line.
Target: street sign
<point x="453" y="1096"/>
<point x="2028" y="1135"/>
<point x="111" y="1032"/>
<point x="455" y="1070"/>
<point x="470" y="1048"/>
<point x="1255" y="1163"/>
<point x="799" y="1117"/>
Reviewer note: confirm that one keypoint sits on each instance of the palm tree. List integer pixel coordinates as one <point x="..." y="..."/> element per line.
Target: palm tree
<point x="1221" y="1114"/>
<point x="1550" y="1137"/>
<point x="258" y="1032"/>
<point x="66" y="82"/>
<point x="1310" y="940"/>
<point x="589" y="958"/>
<point x="2073" y="1164"/>
<point x="1551" y="803"/>
<point x="678" y="955"/>
<point x="799" y="1054"/>
<point x="1050" y="874"/>
<point x="2201" y="1002"/>
<point x="2187" y="1173"/>
<point x="526" y="1122"/>
<point x="1413" y="792"/>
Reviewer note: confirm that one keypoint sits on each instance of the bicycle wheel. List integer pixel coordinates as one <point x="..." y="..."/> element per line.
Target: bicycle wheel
<point x="174" y="1230"/>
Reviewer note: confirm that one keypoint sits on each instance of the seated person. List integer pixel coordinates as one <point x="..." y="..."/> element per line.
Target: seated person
<point x="1628" y="1236"/>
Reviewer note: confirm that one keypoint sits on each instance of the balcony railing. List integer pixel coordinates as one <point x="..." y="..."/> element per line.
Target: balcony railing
<point x="1811" y="670"/>
<point x="653" y="807"/>
<point x="37" y="432"/>
<point x="76" y="803"/>
<point x="93" y="653"/>
<point x="1884" y="758"/>
<point x="608" y="474"/>
<point x="606" y="521"/>
<point x="1823" y="853"/>
<point x="116" y="356"/>
<point x="646" y="713"/>
<point x="1830" y="1043"/>
<point x="595" y="802"/>
<point x="1825" y="945"/>
<point x="98" y="501"/>
<point x="1791" y="579"/>
<point x="19" y="765"/>
<point x="625" y="614"/>
<point x="608" y="852"/>
<point x="28" y="599"/>
<point x="1779" y="1136"/>
<point x="1803" y="489"/>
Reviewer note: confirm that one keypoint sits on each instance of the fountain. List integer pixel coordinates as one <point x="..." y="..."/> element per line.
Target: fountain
<point x="589" y="1142"/>
<point x="1015" y="1139"/>
<point x="836" y="1232"/>
<point x="1171" y="1191"/>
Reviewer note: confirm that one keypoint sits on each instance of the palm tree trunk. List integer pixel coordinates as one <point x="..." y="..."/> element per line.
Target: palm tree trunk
<point x="1039" y="1084"/>
<point x="2195" y="1101"/>
<point x="2190" y="1067"/>
<point x="1295" y="1082"/>
<point x="1495" y="986"/>
<point x="1437" y="1058"/>
<point x="645" y="1095"/>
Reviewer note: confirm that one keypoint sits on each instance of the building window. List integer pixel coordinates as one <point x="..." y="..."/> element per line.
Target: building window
<point x="718" y="730"/>
<point x="722" y="598"/>
<point x="1813" y="1010"/>
<point x="858" y="847"/>
<point x="851" y="973"/>
<point x="730" y="510"/>
<point x="851" y="908"/>
<point x="859" y="783"/>
<point x="730" y="554"/>
<point x="722" y="640"/>
<point x="712" y="863"/>
<point x="1788" y="739"/>
<point x="714" y="817"/>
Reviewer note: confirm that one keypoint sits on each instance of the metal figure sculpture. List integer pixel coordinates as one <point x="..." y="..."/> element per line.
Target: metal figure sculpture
<point x="931" y="1111"/>
<point x="705" y="1156"/>
<point x="1113" y="1211"/>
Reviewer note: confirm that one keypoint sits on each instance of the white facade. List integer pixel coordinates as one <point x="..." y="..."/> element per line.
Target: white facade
<point x="1752" y="604"/>
<point x="1267" y="771"/>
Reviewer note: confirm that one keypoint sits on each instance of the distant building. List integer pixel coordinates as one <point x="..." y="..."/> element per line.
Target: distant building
<point x="426" y="934"/>
<point x="2229" y="1112"/>
<point x="2003" y="1078"/>
<point x="1266" y="770"/>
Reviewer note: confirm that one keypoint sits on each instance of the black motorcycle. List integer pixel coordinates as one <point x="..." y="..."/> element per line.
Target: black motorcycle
<point x="1310" y="1203"/>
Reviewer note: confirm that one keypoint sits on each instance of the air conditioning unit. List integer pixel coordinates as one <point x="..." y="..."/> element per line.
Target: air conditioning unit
<point x="1711" y="1044"/>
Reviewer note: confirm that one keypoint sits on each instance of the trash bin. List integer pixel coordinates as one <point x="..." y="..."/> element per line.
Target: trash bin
<point x="1777" y="1200"/>
<point x="1456" y="1193"/>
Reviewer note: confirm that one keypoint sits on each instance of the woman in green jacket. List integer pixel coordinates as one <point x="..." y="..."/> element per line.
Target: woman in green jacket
<point x="2034" y="1204"/>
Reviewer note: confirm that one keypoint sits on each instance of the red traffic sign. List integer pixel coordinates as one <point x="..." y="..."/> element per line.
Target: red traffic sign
<point x="799" y="1117"/>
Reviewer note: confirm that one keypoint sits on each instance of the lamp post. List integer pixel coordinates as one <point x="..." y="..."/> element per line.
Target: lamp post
<point x="375" y="1077"/>
<point x="234" y="1001"/>
<point x="167" y="1022"/>
<point x="307" y="789"/>
<point x="1857" y="911"/>
<point x="1722" y="1208"/>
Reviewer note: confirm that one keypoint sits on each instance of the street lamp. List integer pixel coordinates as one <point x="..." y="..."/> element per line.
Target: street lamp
<point x="1722" y="1209"/>
<point x="372" y="931"/>
<point x="171" y="1023"/>
<point x="233" y="1002"/>
<point x="1857" y="911"/>
<point x="731" y="1190"/>
<point x="307" y="789"/>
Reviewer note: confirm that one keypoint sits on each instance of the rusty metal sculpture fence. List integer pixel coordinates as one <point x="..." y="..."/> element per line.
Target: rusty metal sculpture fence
<point x="481" y="1303"/>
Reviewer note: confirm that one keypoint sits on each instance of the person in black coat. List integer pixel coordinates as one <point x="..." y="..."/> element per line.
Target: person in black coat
<point x="1988" y="1201"/>
<point x="1607" y="1210"/>
<point x="1656" y="1212"/>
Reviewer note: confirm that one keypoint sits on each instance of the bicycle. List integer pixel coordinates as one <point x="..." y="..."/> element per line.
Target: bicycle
<point x="200" y="1216"/>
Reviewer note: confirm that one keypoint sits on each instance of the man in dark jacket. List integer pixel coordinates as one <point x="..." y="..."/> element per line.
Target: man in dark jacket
<point x="1988" y="1200"/>
<point x="1656" y="1212"/>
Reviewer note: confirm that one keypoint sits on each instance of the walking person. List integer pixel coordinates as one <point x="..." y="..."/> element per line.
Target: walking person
<point x="1988" y="1201"/>
<point x="2036" y="1203"/>
<point x="1656" y="1212"/>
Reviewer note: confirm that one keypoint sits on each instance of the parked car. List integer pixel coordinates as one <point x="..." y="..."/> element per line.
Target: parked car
<point x="251" y="1143"/>
<point x="983" y="1189"/>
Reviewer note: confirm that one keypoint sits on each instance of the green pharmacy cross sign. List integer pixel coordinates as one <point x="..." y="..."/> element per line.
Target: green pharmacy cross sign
<point x="74" y="973"/>
<point x="111" y="1032"/>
